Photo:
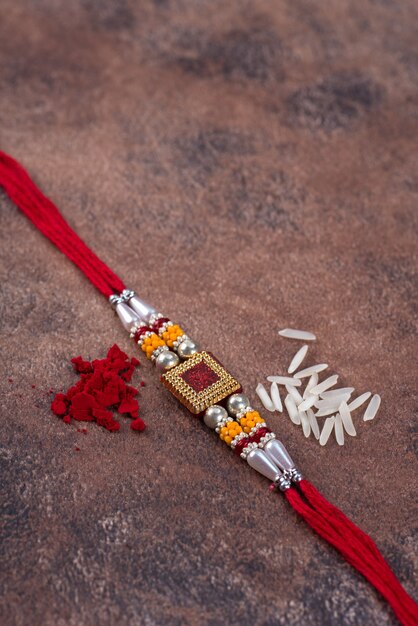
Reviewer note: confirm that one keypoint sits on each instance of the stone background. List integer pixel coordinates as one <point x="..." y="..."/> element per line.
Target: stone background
<point x="245" y="166"/>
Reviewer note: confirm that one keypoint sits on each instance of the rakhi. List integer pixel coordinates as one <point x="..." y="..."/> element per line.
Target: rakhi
<point x="202" y="384"/>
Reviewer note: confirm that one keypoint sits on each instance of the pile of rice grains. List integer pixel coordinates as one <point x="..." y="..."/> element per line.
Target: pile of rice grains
<point x="101" y="390"/>
<point x="308" y="399"/>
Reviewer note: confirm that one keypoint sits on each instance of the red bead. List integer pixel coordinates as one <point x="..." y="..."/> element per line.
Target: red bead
<point x="139" y="332"/>
<point x="242" y="443"/>
<point x="158" y="323"/>
<point x="260" y="433"/>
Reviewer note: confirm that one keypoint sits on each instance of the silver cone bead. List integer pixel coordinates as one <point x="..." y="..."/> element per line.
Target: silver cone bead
<point x="127" y="316"/>
<point x="144" y="310"/>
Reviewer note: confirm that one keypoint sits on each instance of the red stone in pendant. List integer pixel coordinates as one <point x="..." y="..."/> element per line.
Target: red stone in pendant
<point x="199" y="382"/>
<point x="200" y="376"/>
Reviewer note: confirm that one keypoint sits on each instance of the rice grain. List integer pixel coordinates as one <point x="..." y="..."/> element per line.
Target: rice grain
<point x="339" y="431"/>
<point x="297" y="359"/>
<point x="292" y="410"/>
<point x="347" y="420"/>
<point x="323" y="412"/>
<point x="292" y="333"/>
<point x="295" y="394"/>
<point x="341" y="391"/>
<point x="266" y="401"/>
<point x="359" y="401"/>
<point x="284" y="380"/>
<point x="275" y="396"/>
<point x="307" y="403"/>
<point x="326" y="384"/>
<point x="313" y="381"/>
<point x="326" y="430"/>
<point x="320" y="367"/>
<point x="306" y="427"/>
<point x="372" y="408"/>
<point x="313" y="422"/>
<point x="331" y="402"/>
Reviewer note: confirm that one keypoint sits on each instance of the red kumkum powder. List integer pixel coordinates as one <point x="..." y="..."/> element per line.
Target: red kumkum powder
<point x="102" y="389"/>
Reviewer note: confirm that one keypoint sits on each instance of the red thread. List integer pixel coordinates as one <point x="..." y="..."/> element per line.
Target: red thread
<point x="355" y="546"/>
<point x="102" y="386"/>
<point x="45" y="216"/>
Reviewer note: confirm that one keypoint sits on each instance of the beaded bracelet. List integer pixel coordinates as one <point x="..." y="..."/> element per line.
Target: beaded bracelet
<point x="201" y="383"/>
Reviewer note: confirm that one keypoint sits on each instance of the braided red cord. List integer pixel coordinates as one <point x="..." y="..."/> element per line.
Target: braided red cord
<point x="355" y="546"/>
<point x="349" y="531"/>
<point x="46" y="217"/>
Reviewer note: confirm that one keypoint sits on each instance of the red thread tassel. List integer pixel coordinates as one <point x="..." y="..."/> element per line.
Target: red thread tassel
<point x="355" y="546"/>
<point x="346" y="527"/>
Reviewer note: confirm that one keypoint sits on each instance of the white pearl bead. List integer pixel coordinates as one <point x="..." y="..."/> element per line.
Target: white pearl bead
<point x="276" y="451"/>
<point x="258" y="460"/>
<point x="127" y="316"/>
<point x="143" y="309"/>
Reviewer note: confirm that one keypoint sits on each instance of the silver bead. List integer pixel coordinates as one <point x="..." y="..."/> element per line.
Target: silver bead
<point x="214" y="415"/>
<point x="114" y="299"/>
<point x="282" y="483"/>
<point x="166" y="360"/>
<point x="187" y="348"/>
<point x="144" y="310"/>
<point x="295" y="475"/>
<point x="279" y="455"/>
<point x="158" y="351"/>
<point x="258" y="460"/>
<point x="128" y="317"/>
<point x="237" y="403"/>
<point x="127" y="294"/>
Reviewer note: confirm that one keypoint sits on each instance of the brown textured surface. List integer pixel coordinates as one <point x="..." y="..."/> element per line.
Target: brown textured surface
<point x="261" y="155"/>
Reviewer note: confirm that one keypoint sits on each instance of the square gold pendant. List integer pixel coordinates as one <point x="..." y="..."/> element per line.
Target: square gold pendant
<point x="199" y="382"/>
